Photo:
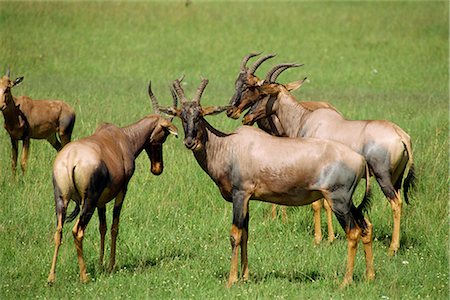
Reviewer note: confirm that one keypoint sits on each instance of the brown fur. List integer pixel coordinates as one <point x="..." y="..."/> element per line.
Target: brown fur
<point x="249" y="164"/>
<point x="27" y="119"/>
<point x="365" y="137"/>
<point x="96" y="169"/>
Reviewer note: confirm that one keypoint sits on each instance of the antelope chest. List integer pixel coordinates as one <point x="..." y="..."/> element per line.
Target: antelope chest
<point x="16" y="130"/>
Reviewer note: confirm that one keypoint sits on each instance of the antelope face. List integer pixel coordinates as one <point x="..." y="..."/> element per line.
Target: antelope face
<point x="5" y="91"/>
<point x="191" y="114"/>
<point x="246" y="85"/>
<point x="5" y="86"/>
<point x="157" y="139"/>
<point x="258" y="111"/>
<point x="246" y="94"/>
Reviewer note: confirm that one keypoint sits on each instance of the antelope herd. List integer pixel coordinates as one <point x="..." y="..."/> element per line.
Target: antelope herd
<point x="305" y="152"/>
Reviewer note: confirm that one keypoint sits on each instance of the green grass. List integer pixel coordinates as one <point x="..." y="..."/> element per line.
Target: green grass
<point x="372" y="60"/>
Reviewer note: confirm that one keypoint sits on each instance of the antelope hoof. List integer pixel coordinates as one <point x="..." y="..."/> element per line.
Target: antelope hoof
<point x="110" y="268"/>
<point x="84" y="278"/>
<point x="51" y="279"/>
<point x="317" y="241"/>
<point x="392" y="252"/>
<point x="346" y="283"/>
<point x="331" y="239"/>
<point x="370" y="276"/>
<point x="231" y="282"/>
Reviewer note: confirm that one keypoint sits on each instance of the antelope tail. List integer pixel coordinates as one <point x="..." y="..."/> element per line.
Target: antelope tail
<point x="410" y="178"/>
<point x="364" y="206"/>
<point x="76" y="210"/>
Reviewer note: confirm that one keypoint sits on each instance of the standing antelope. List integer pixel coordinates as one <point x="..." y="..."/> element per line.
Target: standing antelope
<point x="385" y="146"/>
<point x="245" y="85"/>
<point x="27" y="119"/>
<point x="249" y="164"/>
<point x="96" y="169"/>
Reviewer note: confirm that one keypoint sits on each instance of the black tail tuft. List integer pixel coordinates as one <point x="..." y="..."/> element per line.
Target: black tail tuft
<point x="366" y="203"/>
<point x="73" y="214"/>
<point x="409" y="183"/>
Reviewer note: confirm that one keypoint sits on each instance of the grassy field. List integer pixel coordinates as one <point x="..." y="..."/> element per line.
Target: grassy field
<point x="372" y="60"/>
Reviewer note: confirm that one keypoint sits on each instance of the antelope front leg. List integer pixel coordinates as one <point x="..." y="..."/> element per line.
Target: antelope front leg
<point x="240" y="224"/>
<point x="396" y="205"/>
<point x="25" y="149"/>
<point x="317" y="206"/>
<point x="115" y="228"/>
<point x="244" y="239"/>
<point x="102" y="229"/>
<point x="14" y="154"/>
<point x="235" y="239"/>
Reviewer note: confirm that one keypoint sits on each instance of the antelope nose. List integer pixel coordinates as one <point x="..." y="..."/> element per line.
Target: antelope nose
<point x="189" y="142"/>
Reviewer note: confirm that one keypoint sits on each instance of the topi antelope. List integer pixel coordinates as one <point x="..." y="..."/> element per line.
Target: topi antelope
<point x="250" y="164"/>
<point x="385" y="146"/>
<point x="96" y="169"/>
<point x="27" y="119"/>
<point x="246" y="86"/>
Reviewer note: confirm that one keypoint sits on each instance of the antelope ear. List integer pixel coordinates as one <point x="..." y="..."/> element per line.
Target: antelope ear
<point x="213" y="110"/>
<point x="170" y="127"/>
<point x="260" y="82"/>
<point x="295" y="85"/>
<point x="170" y="111"/>
<point x="17" y="81"/>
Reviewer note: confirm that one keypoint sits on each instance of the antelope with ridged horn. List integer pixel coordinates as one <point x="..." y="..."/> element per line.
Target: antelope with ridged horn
<point x="25" y="119"/>
<point x="96" y="169"/>
<point x="250" y="164"/>
<point x="385" y="146"/>
<point x="246" y="90"/>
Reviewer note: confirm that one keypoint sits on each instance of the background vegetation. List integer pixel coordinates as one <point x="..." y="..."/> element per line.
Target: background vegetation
<point x="372" y="60"/>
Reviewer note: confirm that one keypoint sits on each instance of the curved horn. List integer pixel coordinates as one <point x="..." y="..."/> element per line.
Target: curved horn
<point x="200" y="90"/>
<point x="179" y="90"/>
<point x="276" y="70"/>
<point x="279" y="71"/>
<point x="246" y="58"/>
<point x="153" y="98"/>
<point x="174" y="97"/>
<point x="260" y="61"/>
<point x="8" y="72"/>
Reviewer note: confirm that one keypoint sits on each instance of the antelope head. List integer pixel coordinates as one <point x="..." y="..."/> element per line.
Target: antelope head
<point x="163" y="128"/>
<point x="6" y="84"/>
<point x="191" y="113"/>
<point x="250" y="89"/>
<point x="246" y="85"/>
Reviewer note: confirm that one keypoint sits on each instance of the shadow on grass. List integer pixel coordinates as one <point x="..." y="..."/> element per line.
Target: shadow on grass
<point x="140" y="264"/>
<point x="291" y="276"/>
<point x="406" y="242"/>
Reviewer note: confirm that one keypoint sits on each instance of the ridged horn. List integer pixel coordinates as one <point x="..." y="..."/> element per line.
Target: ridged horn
<point x="200" y="90"/>
<point x="179" y="90"/>
<point x="277" y="70"/>
<point x="260" y="61"/>
<point x="8" y="72"/>
<point x="174" y="97"/>
<point x="153" y="99"/>
<point x="246" y="58"/>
